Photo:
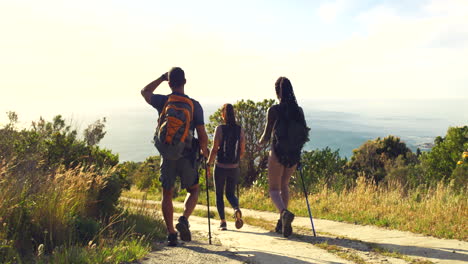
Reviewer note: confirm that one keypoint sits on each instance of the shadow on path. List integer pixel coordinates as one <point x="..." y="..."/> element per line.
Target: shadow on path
<point x="247" y="255"/>
<point x="265" y="233"/>
<point x="415" y="251"/>
<point x="437" y="253"/>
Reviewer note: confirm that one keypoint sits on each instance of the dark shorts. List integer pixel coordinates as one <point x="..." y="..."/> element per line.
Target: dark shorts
<point x="183" y="168"/>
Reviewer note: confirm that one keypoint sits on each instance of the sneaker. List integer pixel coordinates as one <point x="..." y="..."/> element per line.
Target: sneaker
<point x="183" y="228"/>
<point x="223" y="226"/>
<point x="172" y="240"/>
<point x="279" y="227"/>
<point x="287" y="218"/>
<point x="238" y="217"/>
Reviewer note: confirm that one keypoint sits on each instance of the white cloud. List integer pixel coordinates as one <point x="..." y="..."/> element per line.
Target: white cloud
<point x="379" y="16"/>
<point x="398" y="56"/>
<point x="447" y="7"/>
<point x="404" y="56"/>
<point x="329" y="11"/>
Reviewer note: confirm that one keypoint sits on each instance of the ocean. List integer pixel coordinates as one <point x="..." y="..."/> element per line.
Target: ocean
<point x="340" y="125"/>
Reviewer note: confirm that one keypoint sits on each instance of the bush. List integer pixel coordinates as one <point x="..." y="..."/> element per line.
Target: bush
<point x="371" y="157"/>
<point x="41" y="208"/>
<point x="55" y="189"/>
<point x="409" y="176"/>
<point x="146" y="176"/>
<point x="459" y="176"/>
<point x="86" y="228"/>
<point x="322" y="167"/>
<point x="440" y="163"/>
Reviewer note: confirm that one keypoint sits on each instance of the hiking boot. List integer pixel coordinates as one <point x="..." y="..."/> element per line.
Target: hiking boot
<point x="279" y="227"/>
<point x="287" y="218"/>
<point x="223" y="226"/>
<point x="183" y="228"/>
<point x="172" y="240"/>
<point x="238" y="217"/>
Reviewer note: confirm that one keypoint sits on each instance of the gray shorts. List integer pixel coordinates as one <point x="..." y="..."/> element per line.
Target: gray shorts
<point x="183" y="168"/>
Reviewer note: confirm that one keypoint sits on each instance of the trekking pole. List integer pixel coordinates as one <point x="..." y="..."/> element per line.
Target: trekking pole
<point x="207" y="199"/>
<point x="307" y="199"/>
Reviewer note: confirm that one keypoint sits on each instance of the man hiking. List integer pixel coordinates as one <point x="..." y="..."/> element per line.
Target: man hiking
<point x="179" y="117"/>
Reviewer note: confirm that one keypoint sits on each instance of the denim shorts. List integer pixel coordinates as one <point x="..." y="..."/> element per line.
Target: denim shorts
<point x="183" y="168"/>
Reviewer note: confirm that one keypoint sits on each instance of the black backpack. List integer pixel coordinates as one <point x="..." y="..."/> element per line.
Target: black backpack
<point x="289" y="136"/>
<point x="229" y="148"/>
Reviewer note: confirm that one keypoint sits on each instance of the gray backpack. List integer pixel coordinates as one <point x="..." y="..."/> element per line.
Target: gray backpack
<point x="173" y="133"/>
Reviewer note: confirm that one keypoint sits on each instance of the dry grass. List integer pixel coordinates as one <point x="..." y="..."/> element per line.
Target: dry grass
<point x="440" y="212"/>
<point x="46" y="216"/>
<point x="42" y="205"/>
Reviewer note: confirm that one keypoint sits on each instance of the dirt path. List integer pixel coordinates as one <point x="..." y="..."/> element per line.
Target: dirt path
<point x="247" y="245"/>
<point x="255" y="245"/>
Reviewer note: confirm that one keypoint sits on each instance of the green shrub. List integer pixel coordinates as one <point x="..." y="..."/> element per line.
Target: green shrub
<point x="146" y="176"/>
<point x="56" y="189"/>
<point x="440" y="163"/>
<point x="86" y="228"/>
<point x="322" y="167"/>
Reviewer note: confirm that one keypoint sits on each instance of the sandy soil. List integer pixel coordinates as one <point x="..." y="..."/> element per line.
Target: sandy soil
<point x="247" y="245"/>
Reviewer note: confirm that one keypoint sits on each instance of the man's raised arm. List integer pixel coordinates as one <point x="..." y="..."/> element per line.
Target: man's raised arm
<point x="147" y="92"/>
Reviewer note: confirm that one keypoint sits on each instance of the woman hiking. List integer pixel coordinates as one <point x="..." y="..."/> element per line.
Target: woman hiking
<point x="286" y="123"/>
<point x="228" y="148"/>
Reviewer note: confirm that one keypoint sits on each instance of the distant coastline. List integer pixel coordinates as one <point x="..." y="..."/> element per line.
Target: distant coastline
<point x="426" y="146"/>
<point x="337" y="124"/>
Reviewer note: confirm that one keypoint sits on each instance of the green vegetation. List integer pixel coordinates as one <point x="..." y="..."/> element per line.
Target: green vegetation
<point x="146" y="175"/>
<point x="59" y="198"/>
<point x="440" y="164"/>
<point x="59" y="192"/>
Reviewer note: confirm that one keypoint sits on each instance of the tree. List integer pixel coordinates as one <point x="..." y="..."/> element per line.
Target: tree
<point x="251" y="116"/>
<point x="371" y="157"/>
<point x="95" y="132"/>
<point x="440" y="162"/>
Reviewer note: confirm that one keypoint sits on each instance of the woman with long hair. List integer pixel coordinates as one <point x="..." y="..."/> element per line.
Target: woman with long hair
<point x="228" y="148"/>
<point x="287" y="124"/>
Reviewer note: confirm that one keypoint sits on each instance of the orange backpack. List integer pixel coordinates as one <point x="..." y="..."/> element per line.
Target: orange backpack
<point x="173" y="132"/>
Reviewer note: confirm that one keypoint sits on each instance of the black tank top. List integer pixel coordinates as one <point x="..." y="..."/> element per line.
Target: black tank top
<point x="229" y="148"/>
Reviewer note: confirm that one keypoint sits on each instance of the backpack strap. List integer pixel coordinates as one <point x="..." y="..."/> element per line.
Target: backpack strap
<point x="163" y="112"/>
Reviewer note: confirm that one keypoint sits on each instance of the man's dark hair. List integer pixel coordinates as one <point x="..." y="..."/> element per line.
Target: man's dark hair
<point x="176" y="77"/>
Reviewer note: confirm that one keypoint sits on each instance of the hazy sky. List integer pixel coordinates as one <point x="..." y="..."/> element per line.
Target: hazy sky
<point x="60" y="53"/>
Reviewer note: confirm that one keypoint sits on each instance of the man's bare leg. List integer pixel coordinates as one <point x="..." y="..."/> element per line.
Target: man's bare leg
<point x="168" y="209"/>
<point x="191" y="200"/>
